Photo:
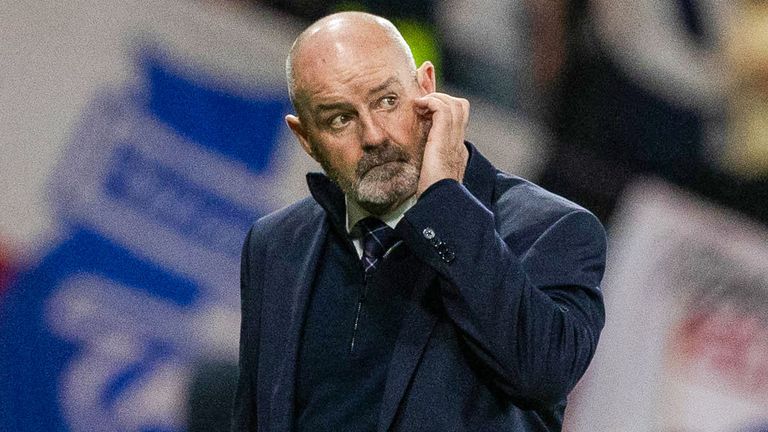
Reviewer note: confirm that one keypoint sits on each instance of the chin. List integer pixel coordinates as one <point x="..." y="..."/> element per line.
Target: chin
<point x="381" y="198"/>
<point x="385" y="187"/>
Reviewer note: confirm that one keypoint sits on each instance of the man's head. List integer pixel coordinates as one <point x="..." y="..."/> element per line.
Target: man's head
<point x="352" y="81"/>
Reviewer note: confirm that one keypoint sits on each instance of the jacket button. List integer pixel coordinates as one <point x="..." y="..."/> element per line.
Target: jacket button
<point x="447" y="256"/>
<point x="428" y="233"/>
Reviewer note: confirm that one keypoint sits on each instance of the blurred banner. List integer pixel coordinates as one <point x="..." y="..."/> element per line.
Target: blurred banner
<point x="136" y="283"/>
<point x="685" y="346"/>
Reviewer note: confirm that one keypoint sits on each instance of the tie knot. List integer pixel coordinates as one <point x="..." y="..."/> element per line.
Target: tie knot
<point x="378" y="237"/>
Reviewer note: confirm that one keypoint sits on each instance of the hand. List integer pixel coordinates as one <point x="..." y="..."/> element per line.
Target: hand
<point x="445" y="155"/>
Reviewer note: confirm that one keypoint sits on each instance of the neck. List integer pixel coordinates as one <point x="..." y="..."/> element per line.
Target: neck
<point x="382" y="209"/>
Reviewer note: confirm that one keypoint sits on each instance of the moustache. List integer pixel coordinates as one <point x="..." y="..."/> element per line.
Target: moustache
<point x="384" y="153"/>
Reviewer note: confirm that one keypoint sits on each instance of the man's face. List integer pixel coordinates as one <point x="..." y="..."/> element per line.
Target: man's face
<point x="358" y="121"/>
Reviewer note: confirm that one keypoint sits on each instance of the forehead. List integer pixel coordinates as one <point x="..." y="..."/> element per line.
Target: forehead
<point x="348" y="65"/>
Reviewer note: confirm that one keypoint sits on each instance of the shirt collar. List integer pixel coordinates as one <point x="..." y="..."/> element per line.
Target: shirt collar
<point x="355" y="213"/>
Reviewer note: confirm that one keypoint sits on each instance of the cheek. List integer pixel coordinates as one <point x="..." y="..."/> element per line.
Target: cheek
<point x="405" y="125"/>
<point x="342" y="154"/>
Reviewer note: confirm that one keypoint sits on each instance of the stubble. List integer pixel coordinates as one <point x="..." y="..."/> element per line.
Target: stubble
<point x="385" y="176"/>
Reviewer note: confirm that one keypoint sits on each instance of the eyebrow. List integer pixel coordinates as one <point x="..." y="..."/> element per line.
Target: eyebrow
<point x="343" y="105"/>
<point x="332" y="106"/>
<point x="384" y="85"/>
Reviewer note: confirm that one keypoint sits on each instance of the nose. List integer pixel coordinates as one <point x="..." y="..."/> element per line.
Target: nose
<point x="373" y="133"/>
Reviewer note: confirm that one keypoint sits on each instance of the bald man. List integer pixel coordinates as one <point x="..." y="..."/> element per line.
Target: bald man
<point x="418" y="288"/>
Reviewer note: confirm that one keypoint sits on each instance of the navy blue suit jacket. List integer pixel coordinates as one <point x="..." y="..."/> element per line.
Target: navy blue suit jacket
<point x="503" y="322"/>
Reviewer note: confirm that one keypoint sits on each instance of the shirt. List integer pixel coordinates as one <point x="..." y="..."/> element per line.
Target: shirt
<point x="355" y="214"/>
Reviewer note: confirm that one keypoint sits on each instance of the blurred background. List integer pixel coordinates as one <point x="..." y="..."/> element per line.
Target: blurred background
<point x="140" y="140"/>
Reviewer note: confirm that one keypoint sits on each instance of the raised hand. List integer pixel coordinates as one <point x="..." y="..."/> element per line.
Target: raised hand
<point x="445" y="156"/>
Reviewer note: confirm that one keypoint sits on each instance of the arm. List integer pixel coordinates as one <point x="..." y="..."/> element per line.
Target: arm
<point x="533" y="319"/>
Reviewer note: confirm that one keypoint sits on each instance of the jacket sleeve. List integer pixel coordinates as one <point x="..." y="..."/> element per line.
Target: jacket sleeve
<point x="244" y="406"/>
<point x="530" y="317"/>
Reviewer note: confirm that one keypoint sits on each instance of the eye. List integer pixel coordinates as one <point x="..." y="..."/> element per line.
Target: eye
<point x="339" y="121"/>
<point x="388" y="101"/>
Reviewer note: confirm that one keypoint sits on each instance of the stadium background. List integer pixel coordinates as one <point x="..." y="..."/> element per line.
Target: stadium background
<point x="139" y="141"/>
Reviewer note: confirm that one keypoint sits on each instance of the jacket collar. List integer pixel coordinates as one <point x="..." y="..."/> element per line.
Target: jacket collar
<point x="480" y="176"/>
<point x="330" y="198"/>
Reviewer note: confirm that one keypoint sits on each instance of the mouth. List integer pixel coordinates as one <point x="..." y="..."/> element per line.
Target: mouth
<point x="382" y="165"/>
<point x="387" y="163"/>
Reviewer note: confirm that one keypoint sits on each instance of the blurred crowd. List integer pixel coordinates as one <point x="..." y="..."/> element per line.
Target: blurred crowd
<point x="676" y="89"/>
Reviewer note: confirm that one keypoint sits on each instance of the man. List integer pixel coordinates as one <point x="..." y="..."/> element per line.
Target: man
<point x="419" y="289"/>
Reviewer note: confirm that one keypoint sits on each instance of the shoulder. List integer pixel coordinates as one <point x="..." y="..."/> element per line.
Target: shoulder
<point x="280" y="225"/>
<point x="525" y="211"/>
<point x="512" y="192"/>
<point x="516" y="203"/>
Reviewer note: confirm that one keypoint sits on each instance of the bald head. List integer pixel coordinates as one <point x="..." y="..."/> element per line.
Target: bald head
<point x="338" y="38"/>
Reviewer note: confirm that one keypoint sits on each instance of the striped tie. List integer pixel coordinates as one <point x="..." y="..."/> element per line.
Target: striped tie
<point x="378" y="238"/>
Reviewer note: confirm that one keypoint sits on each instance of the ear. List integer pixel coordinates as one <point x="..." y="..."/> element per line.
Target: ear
<point x="298" y="130"/>
<point x="425" y="77"/>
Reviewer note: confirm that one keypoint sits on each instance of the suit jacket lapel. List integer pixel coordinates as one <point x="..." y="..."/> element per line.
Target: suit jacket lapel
<point x="415" y="329"/>
<point x="301" y="267"/>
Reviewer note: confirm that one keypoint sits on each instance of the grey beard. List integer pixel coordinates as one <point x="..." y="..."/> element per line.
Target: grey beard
<point x="385" y="187"/>
<point x="378" y="188"/>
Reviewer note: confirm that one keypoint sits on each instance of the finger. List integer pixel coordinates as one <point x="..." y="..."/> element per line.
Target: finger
<point x="437" y="109"/>
<point x="430" y="103"/>
<point x="459" y="108"/>
<point x="465" y="112"/>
